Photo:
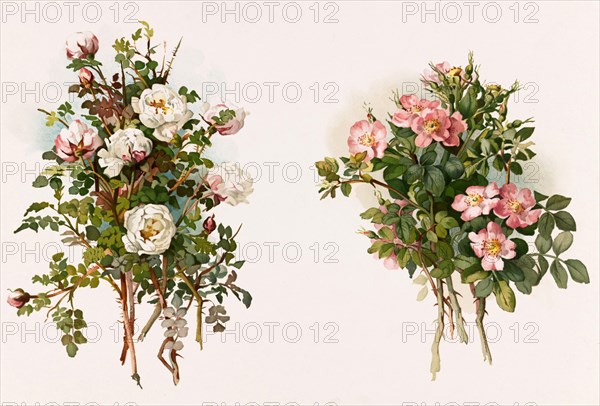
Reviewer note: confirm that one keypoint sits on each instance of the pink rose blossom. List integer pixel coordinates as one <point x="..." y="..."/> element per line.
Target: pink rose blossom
<point x="490" y="244"/>
<point x="432" y="125"/>
<point x="432" y="76"/>
<point x="76" y="142"/>
<point x="517" y="206"/>
<point x="478" y="200"/>
<point x="391" y="262"/>
<point x="368" y="137"/>
<point x="457" y="127"/>
<point x="81" y="44"/>
<point x="411" y="108"/>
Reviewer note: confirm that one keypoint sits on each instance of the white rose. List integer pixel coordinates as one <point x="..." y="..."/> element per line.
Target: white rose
<point x="163" y="109"/>
<point x="231" y="126"/>
<point x="123" y="147"/>
<point x="229" y="183"/>
<point x="150" y="229"/>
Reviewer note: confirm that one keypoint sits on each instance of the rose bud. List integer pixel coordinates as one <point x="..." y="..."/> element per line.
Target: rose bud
<point x="210" y="224"/>
<point x="81" y="44"/>
<point x="18" y="298"/>
<point x="233" y="124"/>
<point x="85" y="77"/>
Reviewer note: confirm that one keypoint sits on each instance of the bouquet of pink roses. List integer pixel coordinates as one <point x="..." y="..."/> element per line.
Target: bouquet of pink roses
<point x="132" y="187"/>
<point x="444" y="216"/>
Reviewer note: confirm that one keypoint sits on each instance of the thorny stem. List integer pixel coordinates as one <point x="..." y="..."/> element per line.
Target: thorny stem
<point x="480" y="308"/>
<point x="128" y="324"/>
<point x="460" y="323"/>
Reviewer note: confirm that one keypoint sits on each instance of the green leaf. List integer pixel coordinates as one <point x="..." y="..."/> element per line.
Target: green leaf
<point x="543" y="244"/>
<point x="505" y="297"/>
<point x="578" y="271"/>
<point x="524" y="133"/>
<point x="562" y="242"/>
<point x="484" y="288"/>
<point x="414" y="173"/>
<point x="559" y="274"/>
<point x="370" y="213"/>
<point x="546" y="225"/>
<point x="564" y="221"/>
<point x="40" y="181"/>
<point x="513" y="272"/>
<point x="346" y="189"/>
<point x="434" y="180"/>
<point x="443" y="270"/>
<point x="473" y="274"/>
<point x="454" y="167"/>
<point x="522" y="246"/>
<point x="468" y="104"/>
<point x="72" y="349"/>
<point x="557" y="202"/>
<point x="428" y="158"/>
<point x="92" y="233"/>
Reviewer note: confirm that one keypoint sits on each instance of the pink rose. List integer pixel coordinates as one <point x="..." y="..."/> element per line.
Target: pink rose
<point x="478" y="200"/>
<point x="18" y="298"/>
<point x="490" y="244"/>
<point x="81" y="44"/>
<point x="368" y="137"/>
<point x="457" y="127"/>
<point x="411" y="108"/>
<point x="232" y="126"/>
<point x="77" y="141"/>
<point x="85" y="77"/>
<point x="516" y="205"/>
<point x="432" y="125"/>
<point x="432" y="76"/>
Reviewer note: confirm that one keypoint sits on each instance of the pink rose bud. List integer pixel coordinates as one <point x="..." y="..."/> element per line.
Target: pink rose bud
<point x="210" y="224"/>
<point x="81" y="44"/>
<point x="229" y="127"/>
<point x="18" y="298"/>
<point x="85" y="77"/>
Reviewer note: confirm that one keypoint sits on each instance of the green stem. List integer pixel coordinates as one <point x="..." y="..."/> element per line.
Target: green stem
<point x="460" y="323"/>
<point x="439" y="332"/>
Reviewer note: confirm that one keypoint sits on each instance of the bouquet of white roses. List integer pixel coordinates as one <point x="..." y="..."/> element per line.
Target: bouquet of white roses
<point x="133" y="188"/>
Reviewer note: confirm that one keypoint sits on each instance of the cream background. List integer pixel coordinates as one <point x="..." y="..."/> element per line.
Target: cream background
<point x="368" y="53"/>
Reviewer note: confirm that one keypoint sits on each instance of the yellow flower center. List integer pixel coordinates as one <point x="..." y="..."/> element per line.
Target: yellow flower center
<point x="515" y="206"/>
<point x="416" y="109"/>
<point x="492" y="247"/>
<point x="455" y="71"/>
<point x="159" y="104"/>
<point x="367" y="140"/>
<point x="151" y="228"/>
<point x="474" y="199"/>
<point x="431" y="126"/>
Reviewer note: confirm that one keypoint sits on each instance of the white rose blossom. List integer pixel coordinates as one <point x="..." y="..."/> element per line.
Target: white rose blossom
<point x="150" y="229"/>
<point x="230" y="183"/>
<point x="124" y="147"/>
<point x="162" y="109"/>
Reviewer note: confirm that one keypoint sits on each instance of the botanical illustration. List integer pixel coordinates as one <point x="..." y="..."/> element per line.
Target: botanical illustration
<point x="132" y="187"/>
<point x="440" y="214"/>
